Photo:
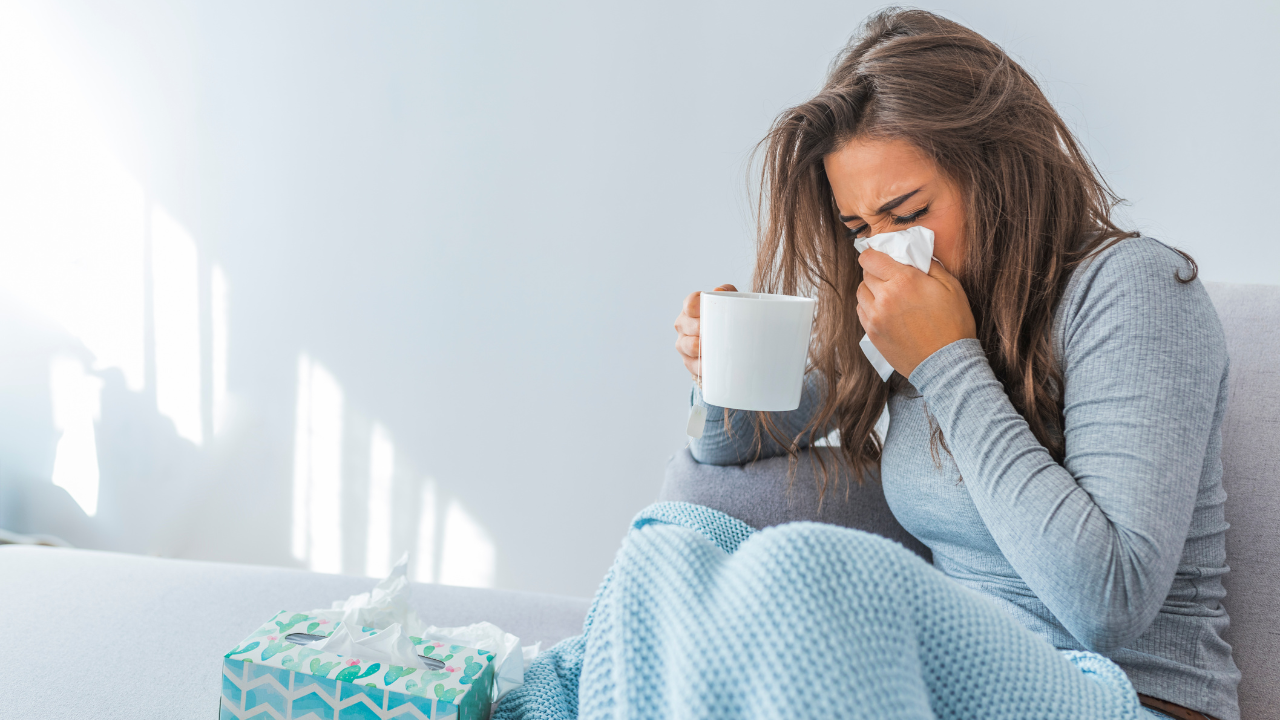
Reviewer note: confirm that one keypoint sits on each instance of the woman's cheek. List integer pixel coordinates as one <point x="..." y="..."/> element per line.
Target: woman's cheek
<point x="948" y="235"/>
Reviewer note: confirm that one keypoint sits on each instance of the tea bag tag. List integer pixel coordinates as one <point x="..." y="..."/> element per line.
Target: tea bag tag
<point x="697" y="413"/>
<point x="697" y="419"/>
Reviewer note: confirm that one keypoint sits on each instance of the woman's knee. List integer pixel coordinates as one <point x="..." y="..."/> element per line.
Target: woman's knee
<point x="854" y="555"/>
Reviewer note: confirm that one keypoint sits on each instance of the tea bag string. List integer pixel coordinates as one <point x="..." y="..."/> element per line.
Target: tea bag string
<point x="697" y="413"/>
<point x="698" y="378"/>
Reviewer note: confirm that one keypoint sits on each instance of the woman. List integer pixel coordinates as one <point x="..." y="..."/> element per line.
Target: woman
<point x="1053" y="438"/>
<point x="1054" y="417"/>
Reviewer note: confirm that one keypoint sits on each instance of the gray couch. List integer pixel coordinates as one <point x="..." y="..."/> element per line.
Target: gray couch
<point x="81" y="628"/>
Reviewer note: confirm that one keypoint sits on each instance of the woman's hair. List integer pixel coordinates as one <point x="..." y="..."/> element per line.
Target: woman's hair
<point x="1035" y="208"/>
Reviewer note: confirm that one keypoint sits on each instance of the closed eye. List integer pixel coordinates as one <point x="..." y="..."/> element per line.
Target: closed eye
<point x="910" y="218"/>
<point x="852" y="233"/>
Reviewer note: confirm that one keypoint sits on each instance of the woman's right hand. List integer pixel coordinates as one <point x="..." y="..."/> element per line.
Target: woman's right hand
<point x="687" y="331"/>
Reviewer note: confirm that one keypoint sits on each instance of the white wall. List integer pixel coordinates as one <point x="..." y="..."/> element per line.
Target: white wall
<point x="450" y="240"/>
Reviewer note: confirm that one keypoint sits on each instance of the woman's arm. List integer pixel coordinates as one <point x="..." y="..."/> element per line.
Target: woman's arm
<point x="1098" y="538"/>
<point x="718" y="446"/>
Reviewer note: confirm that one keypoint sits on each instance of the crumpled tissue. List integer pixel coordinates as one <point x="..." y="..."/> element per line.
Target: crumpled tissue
<point x="914" y="247"/>
<point x="387" y="607"/>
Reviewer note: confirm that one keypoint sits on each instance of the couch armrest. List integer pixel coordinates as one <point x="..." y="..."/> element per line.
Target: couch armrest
<point x="761" y="495"/>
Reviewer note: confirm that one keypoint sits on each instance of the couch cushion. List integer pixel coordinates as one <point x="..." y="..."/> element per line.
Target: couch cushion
<point x="760" y="495"/>
<point x="1250" y="317"/>
<point x="105" y="635"/>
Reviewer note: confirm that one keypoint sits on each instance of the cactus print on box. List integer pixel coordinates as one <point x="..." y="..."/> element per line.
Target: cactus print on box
<point x="267" y="677"/>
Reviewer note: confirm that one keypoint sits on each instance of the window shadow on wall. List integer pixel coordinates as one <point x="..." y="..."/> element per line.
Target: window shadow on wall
<point x="121" y="427"/>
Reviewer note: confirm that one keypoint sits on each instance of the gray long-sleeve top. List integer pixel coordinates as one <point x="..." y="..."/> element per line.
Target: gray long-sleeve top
<point x="1121" y="548"/>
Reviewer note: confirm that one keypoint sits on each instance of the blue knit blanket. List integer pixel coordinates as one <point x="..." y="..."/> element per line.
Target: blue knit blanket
<point x="702" y="617"/>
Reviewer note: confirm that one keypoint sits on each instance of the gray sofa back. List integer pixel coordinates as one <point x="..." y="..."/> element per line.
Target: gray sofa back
<point x="1251" y="475"/>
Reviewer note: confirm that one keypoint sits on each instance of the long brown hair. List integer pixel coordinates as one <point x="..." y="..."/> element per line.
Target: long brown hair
<point x="1035" y="208"/>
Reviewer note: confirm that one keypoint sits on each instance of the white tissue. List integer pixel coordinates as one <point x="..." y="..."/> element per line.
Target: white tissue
<point x="387" y="607"/>
<point x="509" y="657"/>
<point x="531" y="652"/>
<point x="389" y="645"/>
<point x="913" y="246"/>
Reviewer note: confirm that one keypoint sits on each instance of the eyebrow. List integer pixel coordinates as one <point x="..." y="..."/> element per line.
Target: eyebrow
<point x="885" y="207"/>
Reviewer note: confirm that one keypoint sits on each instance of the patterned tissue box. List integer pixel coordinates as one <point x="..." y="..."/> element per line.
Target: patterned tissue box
<point x="269" y="677"/>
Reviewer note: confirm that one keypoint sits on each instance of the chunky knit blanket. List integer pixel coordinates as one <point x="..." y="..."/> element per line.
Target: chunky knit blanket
<point x="702" y="617"/>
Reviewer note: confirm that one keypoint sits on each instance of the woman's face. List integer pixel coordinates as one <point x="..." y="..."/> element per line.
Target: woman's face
<point x="886" y="185"/>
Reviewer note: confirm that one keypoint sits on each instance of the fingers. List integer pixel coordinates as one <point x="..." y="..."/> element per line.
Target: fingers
<point x="692" y="304"/>
<point x="687" y="322"/>
<point x="688" y="329"/>
<point x="873" y="283"/>
<point x="686" y="325"/>
<point x="694" y="366"/>
<point x="878" y="264"/>
<point x="865" y="295"/>
<point x="939" y="271"/>
<point x="882" y="267"/>
<point x="687" y="345"/>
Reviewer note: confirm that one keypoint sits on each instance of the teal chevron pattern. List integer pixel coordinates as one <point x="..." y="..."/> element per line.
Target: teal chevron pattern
<point x="252" y="691"/>
<point x="465" y="674"/>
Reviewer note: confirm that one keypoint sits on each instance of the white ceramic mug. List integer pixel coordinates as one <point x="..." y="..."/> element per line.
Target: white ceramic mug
<point x="754" y="347"/>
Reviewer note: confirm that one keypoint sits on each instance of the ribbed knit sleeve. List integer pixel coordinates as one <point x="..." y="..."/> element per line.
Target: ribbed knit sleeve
<point x="1096" y="538"/>
<point x="737" y="442"/>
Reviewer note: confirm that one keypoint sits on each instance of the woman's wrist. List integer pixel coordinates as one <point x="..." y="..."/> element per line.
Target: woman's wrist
<point x="945" y="363"/>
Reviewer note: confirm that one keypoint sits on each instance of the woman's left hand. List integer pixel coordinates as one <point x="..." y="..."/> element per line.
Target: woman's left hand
<point x="910" y="315"/>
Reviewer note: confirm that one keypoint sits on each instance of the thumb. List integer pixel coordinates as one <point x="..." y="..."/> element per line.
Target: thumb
<point x="726" y="288"/>
<point x="938" y="271"/>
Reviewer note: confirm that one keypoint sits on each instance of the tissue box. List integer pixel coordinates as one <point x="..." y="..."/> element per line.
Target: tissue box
<point x="267" y="676"/>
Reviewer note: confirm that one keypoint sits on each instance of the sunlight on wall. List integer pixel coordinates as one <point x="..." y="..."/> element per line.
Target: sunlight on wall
<point x="425" y="565"/>
<point x="382" y="456"/>
<point x="317" y="469"/>
<point x="72" y="218"/>
<point x="74" y="250"/>
<point x="218" y="346"/>
<point x="467" y="556"/>
<point x="84" y="247"/>
<point x="76" y="396"/>
<point x="176" y="298"/>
